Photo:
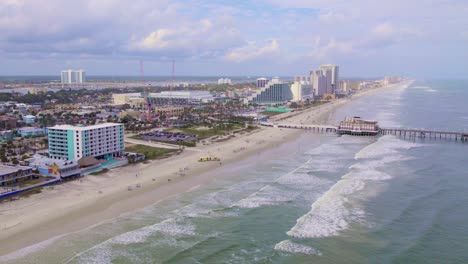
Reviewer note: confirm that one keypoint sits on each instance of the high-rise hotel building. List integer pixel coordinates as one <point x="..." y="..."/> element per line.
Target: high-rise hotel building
<point x="262" y="82"/>
<point x="73" y="76"/>
<point x="275" y="92"/>
<point x="103" y="141"/>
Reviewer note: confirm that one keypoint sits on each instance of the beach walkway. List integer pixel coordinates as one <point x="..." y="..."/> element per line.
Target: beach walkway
<point x="158" y="144"/>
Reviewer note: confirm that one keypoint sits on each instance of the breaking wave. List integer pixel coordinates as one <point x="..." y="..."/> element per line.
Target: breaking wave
<point x="288" y="246"/>
<point x="336" y="210"/>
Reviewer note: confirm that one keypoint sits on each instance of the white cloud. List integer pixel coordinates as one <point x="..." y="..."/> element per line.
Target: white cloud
<point x="201" y="38"/>
<point x="252" y="51"/>
<point x="332" y="18"/>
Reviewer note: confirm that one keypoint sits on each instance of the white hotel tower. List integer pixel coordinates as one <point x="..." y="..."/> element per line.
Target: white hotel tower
<point x="103" y="141"/>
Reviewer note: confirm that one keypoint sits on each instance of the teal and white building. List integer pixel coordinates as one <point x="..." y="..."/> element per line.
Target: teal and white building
<point x="103" y="141"/>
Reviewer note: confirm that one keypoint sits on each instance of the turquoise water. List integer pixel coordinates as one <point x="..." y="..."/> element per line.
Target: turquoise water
<point x="317" y="199"/>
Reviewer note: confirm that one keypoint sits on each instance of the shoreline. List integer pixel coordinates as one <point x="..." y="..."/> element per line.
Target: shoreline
<point x="78" y="205"/>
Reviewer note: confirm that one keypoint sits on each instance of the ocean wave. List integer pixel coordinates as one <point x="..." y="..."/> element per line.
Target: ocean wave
<point x="291" y="186"/>
<point x="431" y="91"/>
<point x="268" y="195"/>
<point x="374" y="175"/>
<point x="335" y="210"/>
<point x="373" y="164"/>
<point x="425" y="88"/>
<point x="295" y="248"/>
<point x="385" y="145"/>
<point x="331" y="213"/>
<point x="170" y="227"/>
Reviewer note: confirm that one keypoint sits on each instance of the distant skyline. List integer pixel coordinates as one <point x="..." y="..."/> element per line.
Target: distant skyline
<point x="238" y="38"/>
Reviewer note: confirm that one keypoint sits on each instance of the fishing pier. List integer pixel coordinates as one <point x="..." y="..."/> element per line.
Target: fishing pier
<point x="356" y="126"/>
<point x="422" y="133"/>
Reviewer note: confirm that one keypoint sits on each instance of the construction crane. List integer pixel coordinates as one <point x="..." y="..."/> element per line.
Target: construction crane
<point x="172" y="84"/>
<point x="146" y="92"/>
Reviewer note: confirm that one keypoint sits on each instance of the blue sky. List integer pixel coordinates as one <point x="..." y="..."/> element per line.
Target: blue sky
<point x="244" y="37"/>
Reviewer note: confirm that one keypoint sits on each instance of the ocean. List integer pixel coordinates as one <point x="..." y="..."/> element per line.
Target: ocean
<point x="316" y="199"/>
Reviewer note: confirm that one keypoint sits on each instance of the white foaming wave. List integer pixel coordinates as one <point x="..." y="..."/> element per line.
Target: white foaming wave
<point x="420" y="87"/>
<point x="372" y="164"/>
<point x="326" y="149"/>
<point x="426" y="89"/>
<point x="295" y="248"/>
<point x="268" y="195"/>
<point x="103" y="253"/>
<point x="212" y="204"/>
<point x="272" y="195"/>
<point x="169" y="227"/>
<point x="301" y="180"/>
<point x="385" y="145"/>
<point x="373" y="175"/>
<point x="327" y="165"/>
<point x="329" y="214"/>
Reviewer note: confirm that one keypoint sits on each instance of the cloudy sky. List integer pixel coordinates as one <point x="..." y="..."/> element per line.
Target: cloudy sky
<point x="419" y="38"/>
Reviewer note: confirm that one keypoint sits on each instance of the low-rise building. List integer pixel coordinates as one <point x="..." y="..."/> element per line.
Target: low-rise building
<point x="29" y="119"/>
<point x="120" y="99"/>
<point x="7" y="123"/>
<point x="180" y="98"/>
<point x="170" y="111"/>
<point x="37" y="90"/>
<point x="31" y="131"/>
<point x="11" y="175"/>
<point x="65" y="169"/>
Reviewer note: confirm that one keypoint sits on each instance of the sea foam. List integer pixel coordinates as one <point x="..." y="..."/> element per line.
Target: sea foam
<point x="335" y="210"/>
<point x="288" y="246"/>
<point x="330" y="213"/>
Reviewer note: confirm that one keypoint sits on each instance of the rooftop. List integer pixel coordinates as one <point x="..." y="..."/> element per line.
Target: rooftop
<point x="39" y="160"/>
<point x="183" y="94"/>
<point x="84" y="128"/>
<point x="26" y="129"/>
<point x="5" y="169"/>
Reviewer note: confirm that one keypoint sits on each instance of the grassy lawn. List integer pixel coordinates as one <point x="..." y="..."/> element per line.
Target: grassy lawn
<point x="100" y="172"/>
<point x="271" y="113"/>
<point x="152" y="152"/>
<point x="206" y="133"/>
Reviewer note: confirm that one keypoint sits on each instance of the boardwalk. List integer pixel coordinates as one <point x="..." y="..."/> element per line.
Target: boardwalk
<point x="400" y="132"/>
<point x="423" y="133"/>
<point x="311" y="127"/>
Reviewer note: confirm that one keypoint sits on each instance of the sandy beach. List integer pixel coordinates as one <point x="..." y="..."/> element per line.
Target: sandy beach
<point x="76" y="205"/>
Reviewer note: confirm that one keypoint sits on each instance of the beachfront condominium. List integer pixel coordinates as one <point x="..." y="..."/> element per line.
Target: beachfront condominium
<point x="103" y="141"/>
<point x="302" y="90"/>
<point x="319" y="83"/>
<point x="325" y="79"/>
<point x="331" y="72"/>
<point x="73" y="76"/>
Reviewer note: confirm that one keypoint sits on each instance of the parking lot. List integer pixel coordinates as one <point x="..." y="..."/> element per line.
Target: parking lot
<point x="168" y="136"/>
